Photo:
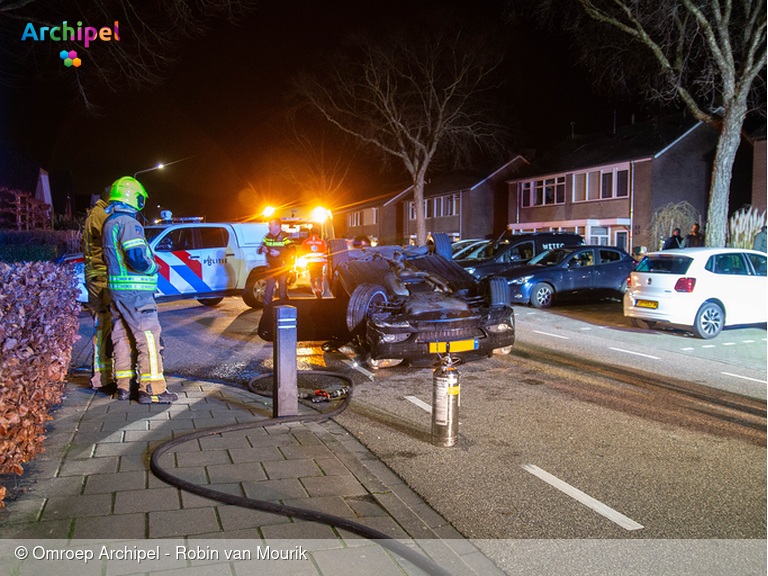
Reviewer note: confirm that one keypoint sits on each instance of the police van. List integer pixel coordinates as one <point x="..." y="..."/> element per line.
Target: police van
<point x="201" y="260"/>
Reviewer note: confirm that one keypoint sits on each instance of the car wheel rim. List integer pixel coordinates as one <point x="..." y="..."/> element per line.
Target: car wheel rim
<point x="711" y="321"/>
<point x="544" y="297"/>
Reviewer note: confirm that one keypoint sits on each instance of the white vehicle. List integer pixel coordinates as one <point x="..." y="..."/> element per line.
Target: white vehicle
<point x="201" y="260"/>
<point x="700" y="289"/>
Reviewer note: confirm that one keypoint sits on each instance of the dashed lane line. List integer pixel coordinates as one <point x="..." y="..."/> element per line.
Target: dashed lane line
<point x="553" y="335"/>
<point x="744" y="377"/>
<point x="420" y="403"/>
<point x="634" y="353"/>
<point x="602" y="509"/>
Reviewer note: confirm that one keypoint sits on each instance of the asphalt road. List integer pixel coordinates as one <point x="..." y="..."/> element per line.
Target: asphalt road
<point x="589" y="429"/>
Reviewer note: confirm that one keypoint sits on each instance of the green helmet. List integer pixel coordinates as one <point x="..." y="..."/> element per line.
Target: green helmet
<point x="129" y="191"/>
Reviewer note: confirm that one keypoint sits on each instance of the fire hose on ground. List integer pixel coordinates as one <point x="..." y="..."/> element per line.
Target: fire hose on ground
<point x="421" y="561"/>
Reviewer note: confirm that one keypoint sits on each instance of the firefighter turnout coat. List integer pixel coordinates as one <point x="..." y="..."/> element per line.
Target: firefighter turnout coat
<point x="132" y="282"/>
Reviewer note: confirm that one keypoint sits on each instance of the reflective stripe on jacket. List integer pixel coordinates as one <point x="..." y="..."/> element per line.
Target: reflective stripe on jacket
<point x="123" y="233"/>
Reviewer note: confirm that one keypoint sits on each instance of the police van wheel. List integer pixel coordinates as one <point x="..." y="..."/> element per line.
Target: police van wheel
<point x="253" y="295"/>
<point x="210" y="301"/>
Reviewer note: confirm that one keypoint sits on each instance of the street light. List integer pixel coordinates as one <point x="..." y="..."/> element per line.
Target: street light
<point x="158" y="167"/>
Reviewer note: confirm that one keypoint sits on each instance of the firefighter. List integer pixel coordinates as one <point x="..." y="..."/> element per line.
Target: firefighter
<point x="315" y="253"/>
<point x="132" y="282"/>
<point x="98" y="296"/>
<point x="280" y="252"/>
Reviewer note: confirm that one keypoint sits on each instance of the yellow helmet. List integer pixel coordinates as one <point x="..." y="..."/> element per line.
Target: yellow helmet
<point x="129" y="191"/>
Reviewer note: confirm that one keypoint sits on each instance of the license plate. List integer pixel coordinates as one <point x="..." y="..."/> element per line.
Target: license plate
<point x="647" y="304"/>
<point x="457" y="346"/>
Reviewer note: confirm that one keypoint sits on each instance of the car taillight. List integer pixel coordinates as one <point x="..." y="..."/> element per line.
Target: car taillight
<point x="685" y="285"/>
<point x="629" y="282"/>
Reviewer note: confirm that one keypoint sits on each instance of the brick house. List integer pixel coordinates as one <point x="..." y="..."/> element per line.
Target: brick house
<point x="607" y="186"/>
<point x="462" y="204"/>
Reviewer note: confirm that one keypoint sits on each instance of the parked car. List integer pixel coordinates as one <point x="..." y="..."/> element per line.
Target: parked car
<point x="579" y="270"/>
<point x="700" y="289"/>
<point x="202" y="260"/>
<point x="406" y="303"/>
<point x="513" y="250"/>
<point x="461" y="248"/>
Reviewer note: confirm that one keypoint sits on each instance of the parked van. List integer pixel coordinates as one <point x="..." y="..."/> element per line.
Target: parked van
<point x="202" y="260"/>
<point x="512" y="250"/>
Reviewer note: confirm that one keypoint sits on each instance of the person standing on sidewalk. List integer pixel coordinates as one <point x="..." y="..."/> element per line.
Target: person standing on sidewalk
<point x="695" y="238"/>
<point x="132" y="283"/>
<point x="98" y="297"/>
<point x="280" y="251"/>
<point x="674" y="242"/>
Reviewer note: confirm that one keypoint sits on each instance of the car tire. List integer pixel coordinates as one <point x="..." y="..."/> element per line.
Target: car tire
<point x="362" y="299"/>
<point x="709" y="322"/>
<point x="253" y="295"/>
<point x="542" y="295"/>
<point x="498" y="291"/>
<point x="441" y="245"/>
<point x="210" y="301"/>
<point x="337" y="248"/>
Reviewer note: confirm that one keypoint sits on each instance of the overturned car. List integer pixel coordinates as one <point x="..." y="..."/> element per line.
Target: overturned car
<point x="412" y="304"/>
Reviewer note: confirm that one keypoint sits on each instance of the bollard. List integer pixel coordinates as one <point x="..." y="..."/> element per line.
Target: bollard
<point x="285" y="389"/>
<point x="445" y="403"/>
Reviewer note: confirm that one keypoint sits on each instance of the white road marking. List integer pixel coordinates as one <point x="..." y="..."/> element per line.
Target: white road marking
<point x="587" y="500"/>
<point x="729" y="343"/>
<point x="585" y="328"/>
<point x="709" y="346"/>
<point x="635" y="353"/>
<point x="687" y="349"/>
<point x="747" y="341"/>
<point x="743" y="377"/>
<point x="420" y="403"/>
<point x="553" y="335"/>
<point x="359" y="368"/>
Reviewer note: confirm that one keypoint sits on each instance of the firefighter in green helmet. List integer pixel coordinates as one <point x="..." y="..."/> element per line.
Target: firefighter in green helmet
<point x="132" y="282"/>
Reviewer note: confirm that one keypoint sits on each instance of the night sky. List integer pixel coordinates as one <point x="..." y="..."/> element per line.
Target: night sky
<point x="220" y="108"/>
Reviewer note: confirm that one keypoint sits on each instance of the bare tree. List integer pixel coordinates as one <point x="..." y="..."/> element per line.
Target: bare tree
<point x="413" y="100"/>
<point x="150" y="36"/>
<point x="711" y="55"/>
<point x="320" y="161"/>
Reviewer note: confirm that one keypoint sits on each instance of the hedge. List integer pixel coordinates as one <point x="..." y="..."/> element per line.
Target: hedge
<point x="38" y="328"/>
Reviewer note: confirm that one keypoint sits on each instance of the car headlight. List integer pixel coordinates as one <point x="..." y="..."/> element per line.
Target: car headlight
<point x="500" y="328"/>
<point x="520" y="281"/>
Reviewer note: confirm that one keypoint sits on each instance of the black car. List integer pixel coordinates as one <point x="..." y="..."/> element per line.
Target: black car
<point x="412" y="304"/>
<point x="580" y="270"/>
<point x="513" y="250"/>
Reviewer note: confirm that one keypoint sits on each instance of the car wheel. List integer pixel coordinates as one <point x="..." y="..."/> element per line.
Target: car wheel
<point x="498" y="291"/>
<point x="441" y="244"/>
<point x="709" y="322"/>
<point x="210" y="301"/>
<point x="542" y="295"/>
<point x="253" y="295"/>
<point x="363" y="298"/>
<point x="624" y="287"/>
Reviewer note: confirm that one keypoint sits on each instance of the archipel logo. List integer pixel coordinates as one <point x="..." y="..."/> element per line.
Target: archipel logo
<point x="64" y="33"/>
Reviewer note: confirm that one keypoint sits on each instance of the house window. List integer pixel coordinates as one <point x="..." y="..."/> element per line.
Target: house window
<point x="355" y="218"/>
<point x="602" y="184"/>
<point x="544" y="192"/>
<point x="598" y="235"/>
<point x="622" y="239"/>
<point x="375" y="216"/>
<point x="411" y="210"/>
<point x="451" y="205"/>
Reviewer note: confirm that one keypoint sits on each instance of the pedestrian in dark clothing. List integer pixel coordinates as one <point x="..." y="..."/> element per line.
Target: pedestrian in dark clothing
<point x="673" y="242"/>
<point x="695" y="238"/>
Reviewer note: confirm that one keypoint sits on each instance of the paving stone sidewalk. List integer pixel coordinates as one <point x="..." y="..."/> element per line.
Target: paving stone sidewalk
<point x="93" y="483"/>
